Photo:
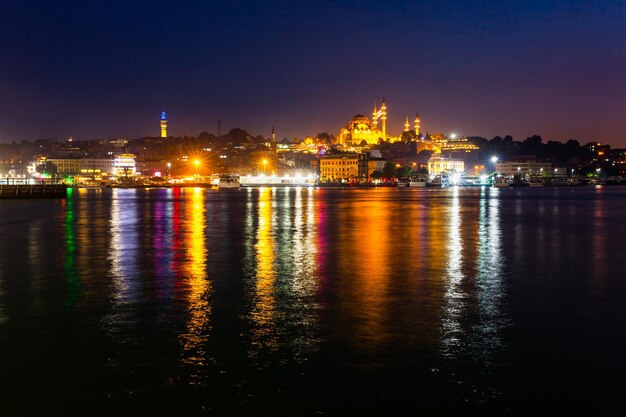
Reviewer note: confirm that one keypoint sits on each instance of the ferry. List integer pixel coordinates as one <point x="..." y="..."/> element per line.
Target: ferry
<point x="228" y="181"/>
<point x="91" y="185"/>
<point x="501" y="182"/>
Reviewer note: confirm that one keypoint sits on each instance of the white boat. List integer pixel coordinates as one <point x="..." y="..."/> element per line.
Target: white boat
<point x="501" y="182"/>
<point x="228" y="181"/>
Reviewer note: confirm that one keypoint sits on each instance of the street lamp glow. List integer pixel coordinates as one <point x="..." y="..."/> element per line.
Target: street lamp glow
<point x="453" y="136"/>
<point x="494" y="159"/>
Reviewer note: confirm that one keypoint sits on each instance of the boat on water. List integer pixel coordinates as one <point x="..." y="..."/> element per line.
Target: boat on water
<point x="417" y="181"/>
<point x="90" y="185"/>
<point x="228" y="182"/>
<point x="436" y="181"/>
<point x="404" y="182"/>
<point x="501" y="182"/>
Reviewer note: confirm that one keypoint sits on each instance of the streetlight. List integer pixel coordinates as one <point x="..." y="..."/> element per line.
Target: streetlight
<point x="169" y="169"/>
<point x="197" y="164"/>
<point x="264" y="165"/>
<point x="494" y="159"/>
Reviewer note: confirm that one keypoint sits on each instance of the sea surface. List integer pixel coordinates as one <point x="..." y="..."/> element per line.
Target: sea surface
<point x="314" y="301"/>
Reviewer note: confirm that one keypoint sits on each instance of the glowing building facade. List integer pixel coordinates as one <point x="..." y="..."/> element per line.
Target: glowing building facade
<point x="340" y="167"/>
<point x="438" y="165"/>
<point x="361" y="131"/>
<point x="124" y="165"/>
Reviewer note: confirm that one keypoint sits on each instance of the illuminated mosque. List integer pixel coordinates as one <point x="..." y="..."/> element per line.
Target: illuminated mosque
<point x="361" y="131"/>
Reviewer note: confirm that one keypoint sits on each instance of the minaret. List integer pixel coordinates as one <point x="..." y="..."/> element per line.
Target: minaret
<point x="163" y="124"/>
<point x="273" y="134"/>
<point x="417" y="125"/>
<point x="406" y="124"/>
<point x="383" y="117"/>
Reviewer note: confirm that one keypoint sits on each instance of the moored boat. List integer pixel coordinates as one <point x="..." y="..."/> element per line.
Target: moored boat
<point x="417" y="181"/>
<point x="228" y="181"/>
<point x="501" y="182"/>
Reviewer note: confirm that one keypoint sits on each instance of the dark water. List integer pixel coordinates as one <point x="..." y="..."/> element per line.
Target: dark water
<point x="297" y="301"/>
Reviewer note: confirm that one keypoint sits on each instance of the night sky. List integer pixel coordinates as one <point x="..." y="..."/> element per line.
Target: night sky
<point x="106" y="69"/>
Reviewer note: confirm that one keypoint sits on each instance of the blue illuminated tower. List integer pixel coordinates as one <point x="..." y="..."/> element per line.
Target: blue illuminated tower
<point x="163" y="124"/>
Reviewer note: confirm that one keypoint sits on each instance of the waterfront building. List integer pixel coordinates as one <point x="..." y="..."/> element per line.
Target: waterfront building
<point x="375" y="164"/>
<point x="339" y="167"/>
<point x="523" y="167"/>
<point x="438" y="165"/>
<point x="152" y="168"/>
<point x="83" y="166"/>
<point x="451" y="147"/>
<point x="163" y="124"/>
<point x="124" y="165"/>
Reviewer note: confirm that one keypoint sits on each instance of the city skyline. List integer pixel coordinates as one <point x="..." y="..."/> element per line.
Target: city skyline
<point x="551" y="69"/>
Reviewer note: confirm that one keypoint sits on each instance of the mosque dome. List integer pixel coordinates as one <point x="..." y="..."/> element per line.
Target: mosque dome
<point x="359" y="118"/>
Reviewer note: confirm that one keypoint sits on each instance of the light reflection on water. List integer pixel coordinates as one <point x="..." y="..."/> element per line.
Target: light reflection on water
<point x="454" y="296"/>
<point x="391" y="290"/>
<point x="264" y="312"/>
<point x="123" y="250"/>
<point x="198" y="286"/>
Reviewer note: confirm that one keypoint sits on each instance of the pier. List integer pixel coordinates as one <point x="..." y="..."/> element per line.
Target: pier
<point x="33" y="191"/>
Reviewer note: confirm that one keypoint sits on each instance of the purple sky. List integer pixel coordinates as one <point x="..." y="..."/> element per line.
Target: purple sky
<point x="103" y="69"/>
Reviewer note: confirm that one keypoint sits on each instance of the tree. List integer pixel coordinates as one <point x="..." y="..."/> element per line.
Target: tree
<point x="533" y="141"/>
<point x="238" y="135"/>
<point x="48" y="168"/>
<point x="377" y="174"/>
<point x="408" y="136"/>
<point x="324" y="137"/>
<point x="404" y="172"/>
<point x="205" y="136"/>
<point x="389" y="170"/>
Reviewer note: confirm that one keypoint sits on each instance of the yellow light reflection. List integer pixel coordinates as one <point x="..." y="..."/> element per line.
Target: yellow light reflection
<point x="198" y="286"/>
<point x="264" y="310"/>
<point x="367" y="222"/>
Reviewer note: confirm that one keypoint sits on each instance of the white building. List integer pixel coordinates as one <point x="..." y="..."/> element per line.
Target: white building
<point x="524" y="168"/>
<point x="69" y="166"/>
<point x="438" y="164"/>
